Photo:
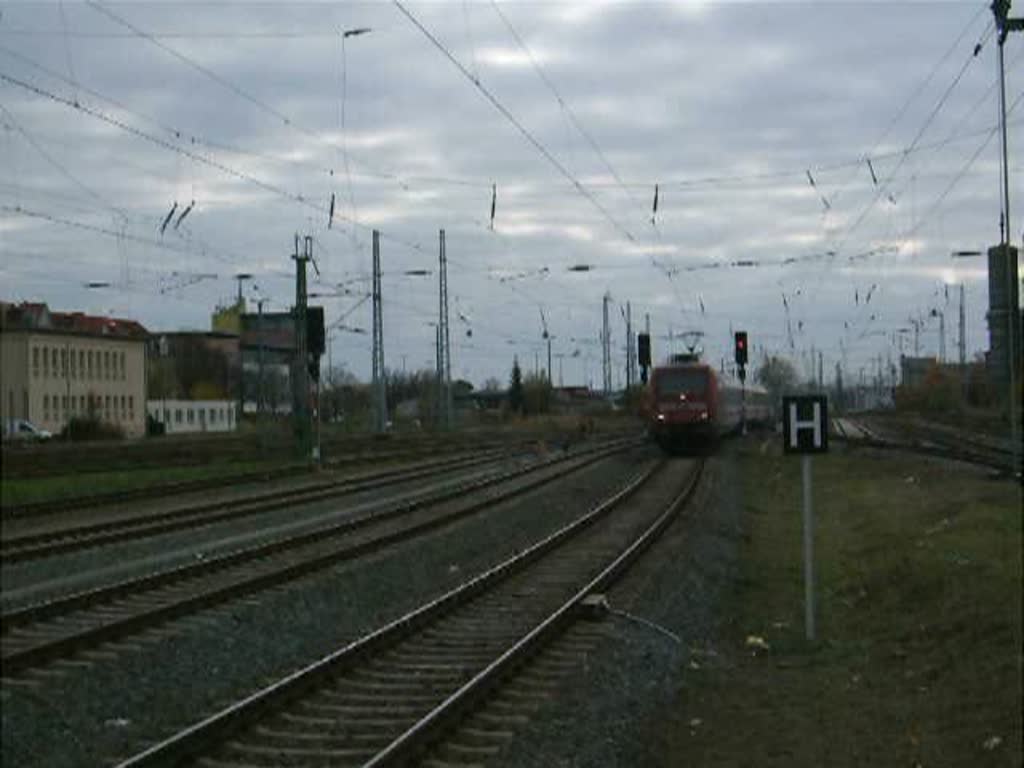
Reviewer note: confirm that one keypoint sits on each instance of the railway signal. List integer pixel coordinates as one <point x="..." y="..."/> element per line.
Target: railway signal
<point x="741" y="348"/>
<point x="643" y="348"/>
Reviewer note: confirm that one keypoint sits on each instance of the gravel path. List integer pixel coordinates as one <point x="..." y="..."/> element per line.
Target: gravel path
<point x="75" y="715"/>
<point x="611" y="712"/>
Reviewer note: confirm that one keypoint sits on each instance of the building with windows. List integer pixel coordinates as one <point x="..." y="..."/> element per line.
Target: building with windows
<point x="194" y="416"/>
<point x="58" y="365"/>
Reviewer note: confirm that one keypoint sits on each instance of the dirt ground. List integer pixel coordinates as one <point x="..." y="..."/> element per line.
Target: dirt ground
<point x="918" y="657"/>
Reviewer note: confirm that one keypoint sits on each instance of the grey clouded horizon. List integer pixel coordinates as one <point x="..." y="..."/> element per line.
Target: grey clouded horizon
<point x="725" y="106"/>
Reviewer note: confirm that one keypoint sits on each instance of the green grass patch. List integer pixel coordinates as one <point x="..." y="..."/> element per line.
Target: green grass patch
<point x="918" y="659"/>
<point x="39" y="489"/>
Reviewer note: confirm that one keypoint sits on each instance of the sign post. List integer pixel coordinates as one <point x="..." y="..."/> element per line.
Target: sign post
<point x="805" y="432"/>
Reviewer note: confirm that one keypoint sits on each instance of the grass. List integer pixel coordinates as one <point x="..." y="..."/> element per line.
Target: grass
<point x="918" y="659"/>
<point x="38" y="489"/>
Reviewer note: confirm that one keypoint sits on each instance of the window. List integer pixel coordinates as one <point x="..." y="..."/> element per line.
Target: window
<point x="90" y="363"/>
<point x="106" y="406"/>
<point x="191" y="416"/>
<point x="122" y="367"/>
<point x="35" y="362"/>
<point x="72" y="362"/>
<point x="46" y="407"/>
<point x="46" y="362"/>
<point x="167" y="416"/>
<point x="177" y="415"/>
<point x="63" y="402"/>
<point x="54" y="360"/>
<point x="81" y="362"/>
<point x="106" y="364"/>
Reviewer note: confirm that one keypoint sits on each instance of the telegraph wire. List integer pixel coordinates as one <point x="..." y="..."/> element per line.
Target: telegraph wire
<point x="515" y="122"/>
<point x="61" y="168"/>
<point x="960" y="174"/>
<point x="162" y="244"/>
<point x="918" y="91"/>
<point x="240" y="92"/>
<point x="705" y="181"/>
<point x="561" y="101"/>
<point x="920" y="133"/>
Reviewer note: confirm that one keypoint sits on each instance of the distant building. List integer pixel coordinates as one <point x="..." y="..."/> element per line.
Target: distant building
<point x="199" y="365"/>
<point x="57" y="365"/>
<point x="913" y="370"/>
<point x="192" y="416"/>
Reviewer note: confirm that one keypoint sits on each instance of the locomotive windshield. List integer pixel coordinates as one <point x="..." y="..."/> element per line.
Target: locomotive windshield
<point x="677" y="381"/>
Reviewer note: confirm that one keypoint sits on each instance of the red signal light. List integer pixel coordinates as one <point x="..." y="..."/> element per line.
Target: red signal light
<point x="741" y="348"/>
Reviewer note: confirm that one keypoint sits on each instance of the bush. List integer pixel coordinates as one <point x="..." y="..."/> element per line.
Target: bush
<point x="91" y="428"/>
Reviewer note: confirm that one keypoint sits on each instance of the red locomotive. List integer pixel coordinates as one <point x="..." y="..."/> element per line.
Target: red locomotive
<point x="687" y="405"/>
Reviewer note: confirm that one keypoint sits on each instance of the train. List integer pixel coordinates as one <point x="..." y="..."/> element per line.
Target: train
<point x="688" y="406"/>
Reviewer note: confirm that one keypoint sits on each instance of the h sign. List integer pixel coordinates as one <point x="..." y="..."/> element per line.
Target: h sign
<point x="805" y="424"/>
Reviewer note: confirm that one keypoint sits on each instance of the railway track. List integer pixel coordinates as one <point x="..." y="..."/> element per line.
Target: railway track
<point x="62" y="627"/>
<point x="61" y="540"/>
<point x="959" y="447"/>
<point x="392" y="696"/>
<point x="161" y="490"/>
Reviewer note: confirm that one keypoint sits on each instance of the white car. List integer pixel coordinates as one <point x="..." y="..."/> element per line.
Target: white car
<point x="23" y="430"/>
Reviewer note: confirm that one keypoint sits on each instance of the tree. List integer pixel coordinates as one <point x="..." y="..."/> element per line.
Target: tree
<point x="492" y="385"/>
<point x="777" y="375"/>
<point x="515" y="388"/>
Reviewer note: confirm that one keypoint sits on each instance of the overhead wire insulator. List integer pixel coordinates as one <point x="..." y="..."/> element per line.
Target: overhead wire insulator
<point x="167" y="219"/>
<point x="183" y="214"/>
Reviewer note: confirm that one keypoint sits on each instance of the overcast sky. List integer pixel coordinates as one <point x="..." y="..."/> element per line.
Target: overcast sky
<point x="258" y="113"/>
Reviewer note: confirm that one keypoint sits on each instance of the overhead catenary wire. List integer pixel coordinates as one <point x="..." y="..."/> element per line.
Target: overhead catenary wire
<point x="511" y="118"/>
<point x="569" y="111"/>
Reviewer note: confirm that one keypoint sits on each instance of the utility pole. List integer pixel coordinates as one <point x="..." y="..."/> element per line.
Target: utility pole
<point x="444" y="339"/>
<point x="549" y="360"/>
<point x="606" y="348"/>
<point x="259" y="379"/>
<point x="942" y="333"/>
<point x="629" y="346"/>
<point x="821" y="370"/>
<point x="962" y="340"/>
<point x="300" y="364"/>
<point x="379" y="383"/>
<point x="241" y="277"/>
<point x="1004" y="25"/>
<point x="647" y="323"/>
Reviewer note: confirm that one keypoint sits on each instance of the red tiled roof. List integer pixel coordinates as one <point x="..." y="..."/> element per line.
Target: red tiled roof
<point x="36" y="316"/>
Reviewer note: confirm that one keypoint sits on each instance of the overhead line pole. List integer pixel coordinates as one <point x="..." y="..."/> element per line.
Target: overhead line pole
<point x="1004" y="25"/>
<point x="379" y="381"/>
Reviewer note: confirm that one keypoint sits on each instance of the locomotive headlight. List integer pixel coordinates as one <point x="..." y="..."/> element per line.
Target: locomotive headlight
<point x="661" y="417"/>
<point x="704" y="416"/>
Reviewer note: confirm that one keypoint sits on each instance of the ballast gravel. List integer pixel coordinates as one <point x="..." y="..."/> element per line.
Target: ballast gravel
<point x="610" y="712"/>
<point x="71" y="715"/>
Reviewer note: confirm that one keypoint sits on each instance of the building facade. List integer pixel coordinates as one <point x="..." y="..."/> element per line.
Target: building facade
<point x="194" y="416"/>
<point x="58" y="365"/>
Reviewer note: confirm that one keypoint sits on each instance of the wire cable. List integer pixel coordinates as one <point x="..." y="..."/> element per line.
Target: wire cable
<point x="515" y="123"/>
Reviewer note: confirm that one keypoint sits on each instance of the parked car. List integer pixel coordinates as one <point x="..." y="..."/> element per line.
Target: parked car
<point x="21" y="430"/>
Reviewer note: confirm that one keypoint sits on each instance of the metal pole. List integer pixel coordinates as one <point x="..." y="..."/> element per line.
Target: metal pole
<point x="805" y="468"/>
<point x="1013" y="310"/>
<point x="300" y="385"/>
<point x="549" y="360"/>
<point x="962" y="341"/>
<point x="446" y="356"/>
<point x="259" y="384"/>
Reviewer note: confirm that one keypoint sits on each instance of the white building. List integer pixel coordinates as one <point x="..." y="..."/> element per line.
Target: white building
<point x="192" y="416"/>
